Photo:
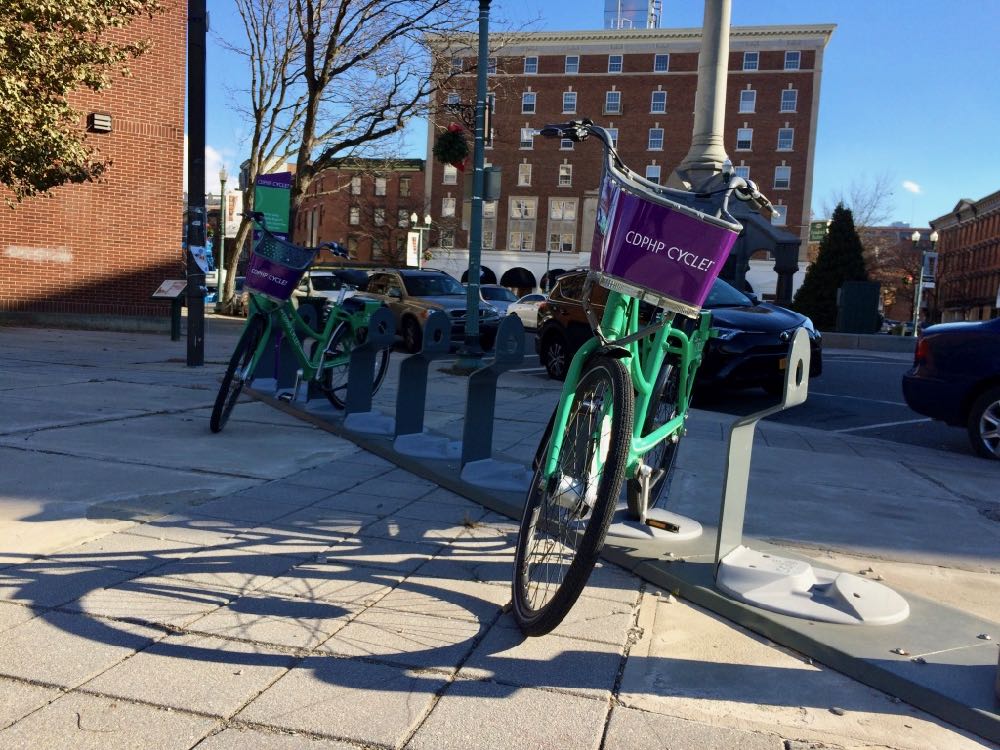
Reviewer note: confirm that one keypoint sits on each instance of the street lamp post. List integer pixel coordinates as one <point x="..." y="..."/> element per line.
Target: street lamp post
<point x="919" y="292"/>
<point x="425" y="228"/>
<point x="220" y="272"/>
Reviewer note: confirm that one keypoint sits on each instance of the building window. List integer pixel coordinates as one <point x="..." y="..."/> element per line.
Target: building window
<point x="562" y="209"/>
<point x="450" y="175"/>
<point x="489" y="209"/>
<point x="786" y="139"/>
<point x="448" y="206"/>
<point x="661" y="63"/>
<point x="521" y="227"/>
<point x="750" y="60"/>
<point x="572" y="64"/>
<point x="782" y="178"/>
<point x="744" y="139"/>
<point x="613" y="135"/>
<point x="793" y="60"/>
<point x="457" y="65"/>
<point x="748" y="100"/>
<point x="380" y="186"/>
<point x="613" y="103"/>
<point x="779" y="215"/>
<point x="377" y="247"/>
<point x="569" y="102"/>
<point x="562" y="225"/>
<point x="355" y="215"/>
<point x="491" y="66"/>
<point x="402" y="218"/>
<point x="565" y="175"/>
<point x="659" y="102"/>
<point x="446" y="238"/>
<point x="655" y="139"/>
<point x="404" y="187"/>
<point x="743" y="172"/>
<point x="614" y="63"/>
<point x="653" y="173"/>
<point x="352" y="246"/>
<point x="530" y="65"/>
<point x="356" y="185"/>
<point x="453" y="99"/>
<point x="489" y="239"/>
<point x="565" y="144"/>
<point x="789" y="100"/>
<point x="379" y="216"/>
<point x="528" y="103"/>
<point x="527" y="139"/>
<point x="523" y="174"/>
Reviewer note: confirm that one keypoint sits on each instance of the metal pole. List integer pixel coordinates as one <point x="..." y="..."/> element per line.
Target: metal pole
<point x="195" y="291"/>
<point x="471" y="354"/>
<point x="918" y="295"/>
<point x="220" y="271"/>
<point x="548" y="268"/>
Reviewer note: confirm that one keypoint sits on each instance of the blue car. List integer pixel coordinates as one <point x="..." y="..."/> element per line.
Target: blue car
<point x="956" y="378"/>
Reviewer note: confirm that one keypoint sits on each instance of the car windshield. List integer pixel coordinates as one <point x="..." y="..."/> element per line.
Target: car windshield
<point x="498" y="293"/>
<point x="724" y="295"/>
<point x="432" y="286"/>
<point x="326" y="283"/>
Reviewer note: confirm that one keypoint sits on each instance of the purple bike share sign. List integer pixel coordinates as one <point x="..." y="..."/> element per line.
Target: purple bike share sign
<point x="270" y="279"/>
<point x="655" y="247"/>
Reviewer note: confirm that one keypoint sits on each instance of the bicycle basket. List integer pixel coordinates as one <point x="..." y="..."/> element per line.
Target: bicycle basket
<point x="654" y="248"/>
<point x="276" y="266"/>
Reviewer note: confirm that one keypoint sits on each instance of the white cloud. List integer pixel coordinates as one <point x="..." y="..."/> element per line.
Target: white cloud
<point x="911" y="187"/>
<point x="213" y="162"/>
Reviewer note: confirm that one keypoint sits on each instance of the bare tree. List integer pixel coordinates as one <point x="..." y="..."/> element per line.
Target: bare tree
<point x="330" y="79"/>
<point x="869" y="198"/>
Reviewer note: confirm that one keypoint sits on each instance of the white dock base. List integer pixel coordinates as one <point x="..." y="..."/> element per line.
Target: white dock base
<point x="796" y="588"/>
<point x="425" y="445"/>
<point x="624" y="527"/>
<point x="497" y="475"/>
<point x="371" y="422"/>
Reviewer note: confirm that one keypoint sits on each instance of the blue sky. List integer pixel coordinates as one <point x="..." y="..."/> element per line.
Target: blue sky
<point x="910" y="91"/>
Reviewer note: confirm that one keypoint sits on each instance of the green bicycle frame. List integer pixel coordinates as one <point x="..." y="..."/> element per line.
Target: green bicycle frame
<point x="645" y="359"/>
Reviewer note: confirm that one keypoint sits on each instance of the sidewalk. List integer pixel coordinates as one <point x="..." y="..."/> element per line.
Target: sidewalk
<point x="277" y="586"/>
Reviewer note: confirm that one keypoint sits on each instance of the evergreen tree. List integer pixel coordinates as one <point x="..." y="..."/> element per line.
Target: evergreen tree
<point x="840" y="259"/>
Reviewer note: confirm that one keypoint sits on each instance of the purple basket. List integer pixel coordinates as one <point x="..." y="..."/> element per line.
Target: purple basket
<point x="656" y="249"/>
<point x="276" y="266"/>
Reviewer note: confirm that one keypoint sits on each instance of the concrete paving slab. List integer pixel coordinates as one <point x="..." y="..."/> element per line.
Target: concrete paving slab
<point x="190" y="529"/>
<point x="383" y="487"/>
<point x="591" y="620"/>
<point x="629" y="729"/>
<point x="395" y="556"/>
<point x="445" y="598"/>
<point x="18" y="699"/>
<point x="353" y="585"/>
<point x="12" y="614"/>
<point x="49" y="583"/>
<point x="64" y="649"/>
<point x="245" y="510"/>
<point x="196" y="673"/>
<point x="348" y="700"/>
<point x="138" y="554"/>
<point x="227" y="567"/>
<point x="407" y="639"/>
<point x="692" y="664"/>
<point x="267" y="618"/>
<point x="241" y="738"/>
<point x="335" y="476"/>
<point x="352" y="501"/>
<point x="86" y="722"/>
<point x="283" y="492"/>
<point x="467" y="514"/>
<point x="495" y="716"/>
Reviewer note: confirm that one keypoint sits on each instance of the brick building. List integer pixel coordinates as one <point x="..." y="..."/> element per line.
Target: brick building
<point x="967" y="286"/>
<point x="103" y="248"/>
<point x="364" y="204"/>
<point x="639" y="83"/>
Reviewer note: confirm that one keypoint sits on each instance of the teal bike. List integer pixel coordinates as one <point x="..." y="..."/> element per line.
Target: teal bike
<point x="625" y="399"/>
<point x="323" y="355"/>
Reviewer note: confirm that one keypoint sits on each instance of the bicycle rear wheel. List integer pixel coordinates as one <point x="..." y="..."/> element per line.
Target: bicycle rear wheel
<point x="334" y="378"/>
<point x="239" y="372"/>
<point x="566" y="517"/>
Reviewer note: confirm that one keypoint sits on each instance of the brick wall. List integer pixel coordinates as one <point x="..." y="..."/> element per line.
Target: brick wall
<point x="103" y="248"/>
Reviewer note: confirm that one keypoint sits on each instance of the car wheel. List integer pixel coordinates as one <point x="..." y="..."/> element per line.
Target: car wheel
<point x="555" y="355"/>
<point x="412" y="337"/>
<point x="984" y="424"/>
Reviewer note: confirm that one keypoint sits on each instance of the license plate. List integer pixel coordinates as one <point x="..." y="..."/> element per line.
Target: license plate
<point x="783" y="363"/>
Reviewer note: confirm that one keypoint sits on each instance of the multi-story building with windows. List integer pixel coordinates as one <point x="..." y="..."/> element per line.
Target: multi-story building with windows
<point x="640" y="85"/>
<point x="967" y="283"/>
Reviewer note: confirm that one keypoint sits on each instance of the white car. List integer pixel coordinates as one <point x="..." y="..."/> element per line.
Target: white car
<point x="497" y="296"/>
<point x="329" y="283"/>
<point x="526" y="309"/>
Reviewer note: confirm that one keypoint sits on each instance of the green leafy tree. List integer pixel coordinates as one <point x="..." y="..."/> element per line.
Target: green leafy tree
<point x="48" y="50"/>
<point x="840" y="259"/>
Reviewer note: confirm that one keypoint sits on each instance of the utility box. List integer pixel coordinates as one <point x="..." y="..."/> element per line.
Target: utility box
<point x="857" y="307"/>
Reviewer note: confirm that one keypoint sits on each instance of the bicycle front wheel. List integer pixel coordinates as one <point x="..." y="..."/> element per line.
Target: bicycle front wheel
<point x="239" y="373"/>
<point x="337" y="363"/>
<point x="566" y="517"/>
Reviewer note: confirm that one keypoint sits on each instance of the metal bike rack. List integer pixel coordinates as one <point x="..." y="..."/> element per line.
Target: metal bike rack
<point x="411" y="398"/>
<point x="478" y="466"/>
<point x="361" y="374"/>
<point x="781" y="584"/>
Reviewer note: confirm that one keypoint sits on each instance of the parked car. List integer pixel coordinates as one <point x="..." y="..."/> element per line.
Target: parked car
<point x="498" y="296"/>
<point x="751" y="347"/>
<point x="413" y="294"/>
<point x="956" y="378"/>
<point x="526" y="309"/>
<point x="329" y="283"/>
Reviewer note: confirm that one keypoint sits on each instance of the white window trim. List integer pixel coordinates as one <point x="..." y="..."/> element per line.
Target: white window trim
<point x="756" y="60"/>
<point x="650" y="168"/>
<point x="607" y="109"/>
<point x="795" y="107"/>
<point x="753" y="103"/>
<point x="524" y="168"/>
<point x="621" y="63"/>
<point x="649" y="140"/>
<point x="530" y="72"/>
<point x="790" y="147"/>
<point x="571" y="110"/>
<point x="798" y="63"/>
<point x="779" y="216"/>
<point x="788" y="169"/>
<point x="568" y="168"/>
<point x="529" y="141"/>
<point x="524" y="102"/>
<point x="566" y="70"/>
<point x="661" y="54"/>
<point x="744" y="148"/>
<point x="652" y="103"/>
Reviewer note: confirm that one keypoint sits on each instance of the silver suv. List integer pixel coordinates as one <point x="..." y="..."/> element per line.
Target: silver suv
<point x="413" y="294"/>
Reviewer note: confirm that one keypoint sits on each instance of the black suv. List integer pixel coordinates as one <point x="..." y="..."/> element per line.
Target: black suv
<point x="413" y="294"/>
<point x="751" y="347"/>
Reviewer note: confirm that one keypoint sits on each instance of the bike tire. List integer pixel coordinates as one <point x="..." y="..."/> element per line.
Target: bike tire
<point x="233" y="381"/>
<point x="545" y="588"/>
<point x="334" y="379"/>
<point x="663" y="456"/>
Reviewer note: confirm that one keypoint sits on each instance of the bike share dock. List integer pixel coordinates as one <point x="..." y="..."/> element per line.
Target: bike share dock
<point x="938" y="658"/>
